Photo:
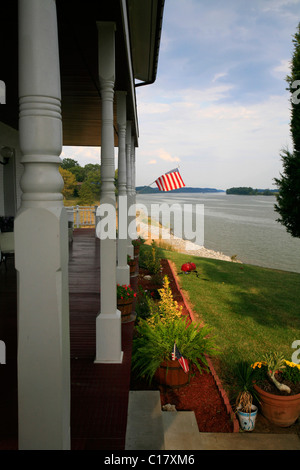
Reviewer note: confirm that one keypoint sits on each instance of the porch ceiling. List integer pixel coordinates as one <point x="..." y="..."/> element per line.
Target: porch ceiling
<point x="138" y="24"/>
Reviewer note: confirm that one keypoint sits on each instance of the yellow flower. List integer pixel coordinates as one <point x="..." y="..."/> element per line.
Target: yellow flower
<point x="258" y="364"/>
<point x="292" y="364"/>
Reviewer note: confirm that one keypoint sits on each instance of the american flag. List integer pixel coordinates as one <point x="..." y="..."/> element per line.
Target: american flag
<point x="182" y="361"/>
<point x="170" y="180"/>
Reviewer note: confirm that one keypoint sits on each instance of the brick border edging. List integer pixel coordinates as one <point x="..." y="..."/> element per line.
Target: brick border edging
<point x="222" y="392"/>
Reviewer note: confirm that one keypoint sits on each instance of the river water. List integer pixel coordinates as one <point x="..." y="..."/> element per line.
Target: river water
<point x="239" y="225"/>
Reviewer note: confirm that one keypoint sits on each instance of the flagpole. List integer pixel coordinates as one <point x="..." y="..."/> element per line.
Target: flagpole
<point x="145" y="187"/>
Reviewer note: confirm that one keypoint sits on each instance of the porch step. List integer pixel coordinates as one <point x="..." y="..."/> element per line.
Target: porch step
<point x="180" y="430"/>
<point x="144" y="422"/>
<point x="149" y="428"/>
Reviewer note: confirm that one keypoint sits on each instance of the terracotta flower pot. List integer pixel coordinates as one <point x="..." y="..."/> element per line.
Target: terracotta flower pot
<point x="278" y="409"/>
<point x="125" y="307"/>
<point x="170" y="373"/>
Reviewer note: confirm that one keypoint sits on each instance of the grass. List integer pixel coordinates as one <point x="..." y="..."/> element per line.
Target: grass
<point x="252" y="310"/>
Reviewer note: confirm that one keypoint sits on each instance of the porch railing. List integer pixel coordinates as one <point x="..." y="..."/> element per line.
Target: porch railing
<point x="82" y="216"/>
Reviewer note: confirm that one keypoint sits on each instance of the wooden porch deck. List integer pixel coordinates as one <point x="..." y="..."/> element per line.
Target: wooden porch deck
<point x="99" y="392"/>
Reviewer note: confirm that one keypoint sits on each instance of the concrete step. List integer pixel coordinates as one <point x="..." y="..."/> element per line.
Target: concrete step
<point x="179" y="427"/>
<point x="149" y="428"/>
<point x="232" y="441"/>
<point x="181" y="433"/>
<point x="144" y="423"/>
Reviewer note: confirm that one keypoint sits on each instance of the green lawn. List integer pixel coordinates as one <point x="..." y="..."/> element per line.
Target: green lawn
<point x="252" y="310"/>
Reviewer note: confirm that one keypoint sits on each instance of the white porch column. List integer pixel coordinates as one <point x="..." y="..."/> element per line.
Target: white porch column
<point x="108" y="322"/>
<point x="123" y="275"/>
<point x="130" y="249"/>
<point x="41" y="239"/>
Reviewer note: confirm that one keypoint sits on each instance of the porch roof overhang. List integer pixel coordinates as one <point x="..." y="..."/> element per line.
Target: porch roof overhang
<point x="137" y="42"/>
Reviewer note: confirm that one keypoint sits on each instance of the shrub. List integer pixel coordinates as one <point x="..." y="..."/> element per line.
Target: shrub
<point x="150" y="260"/>
<point x="156" y="336"/>
<point x="154" y="344"/>
<point x="167" y="309"/>
<point x="145" y="305"/>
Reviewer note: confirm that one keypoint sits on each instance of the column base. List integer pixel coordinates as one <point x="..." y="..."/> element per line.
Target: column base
<point x="108" y="338"/>
<point x="108" y="361"/>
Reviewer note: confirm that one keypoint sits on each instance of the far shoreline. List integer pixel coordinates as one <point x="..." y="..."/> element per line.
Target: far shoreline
<point x="162" y="235"/>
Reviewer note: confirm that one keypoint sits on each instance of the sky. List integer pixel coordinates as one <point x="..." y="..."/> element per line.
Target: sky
<point x="219" y="108"/>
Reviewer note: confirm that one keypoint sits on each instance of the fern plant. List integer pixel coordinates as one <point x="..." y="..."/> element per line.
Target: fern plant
<point x="154" y="345"/>
<point x="156" y="335"/>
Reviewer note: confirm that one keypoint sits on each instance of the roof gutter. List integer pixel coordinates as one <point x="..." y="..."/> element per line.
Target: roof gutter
<point x="159" y="19"/>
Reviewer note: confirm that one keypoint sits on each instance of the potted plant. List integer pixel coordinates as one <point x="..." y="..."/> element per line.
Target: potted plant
<point x="277" y="384"/>
<point x="137" y="242"/>
<point x="125" y="298"/>
<point x="156" y="337"/>
<point x="244" y="405"/>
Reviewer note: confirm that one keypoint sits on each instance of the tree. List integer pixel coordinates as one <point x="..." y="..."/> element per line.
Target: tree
<point x="86" y="195"/>
<point x="68" y="163"/>
<point x="78" y="172"/>
<point x="69" y="183"/>
<point x="93" y="179"/>
<point x="91" y="168"/>
<point x="288" y="197"/>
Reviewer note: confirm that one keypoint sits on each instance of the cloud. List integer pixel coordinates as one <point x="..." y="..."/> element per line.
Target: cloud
<point x="153" y="108"/>
<point x="217" y="76"/>
<point x="163" y="155"/>
<point x="152" y="162"/>
<point x="219" y="145"/>
<point x="282" y="69"/>
<point x="83" y="155"/>
<point x="278" y="5"/>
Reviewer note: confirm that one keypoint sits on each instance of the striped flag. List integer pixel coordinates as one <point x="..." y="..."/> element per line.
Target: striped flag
<point x="182" y="361"/>
<point x="170" y="180"/>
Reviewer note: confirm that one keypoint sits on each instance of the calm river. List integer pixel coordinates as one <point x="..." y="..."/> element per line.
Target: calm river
<point x="239" y="225"/>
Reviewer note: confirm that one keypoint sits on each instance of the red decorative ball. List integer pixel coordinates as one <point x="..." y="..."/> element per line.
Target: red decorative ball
<point x="187" y="267"/>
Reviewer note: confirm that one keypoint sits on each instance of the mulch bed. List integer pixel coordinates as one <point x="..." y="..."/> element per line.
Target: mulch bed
<point x="202" y="394"/>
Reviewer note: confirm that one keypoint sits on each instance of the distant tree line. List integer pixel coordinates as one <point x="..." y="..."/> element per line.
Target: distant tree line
<point x="248" y="191"/>
<point x="83" y="183"/>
